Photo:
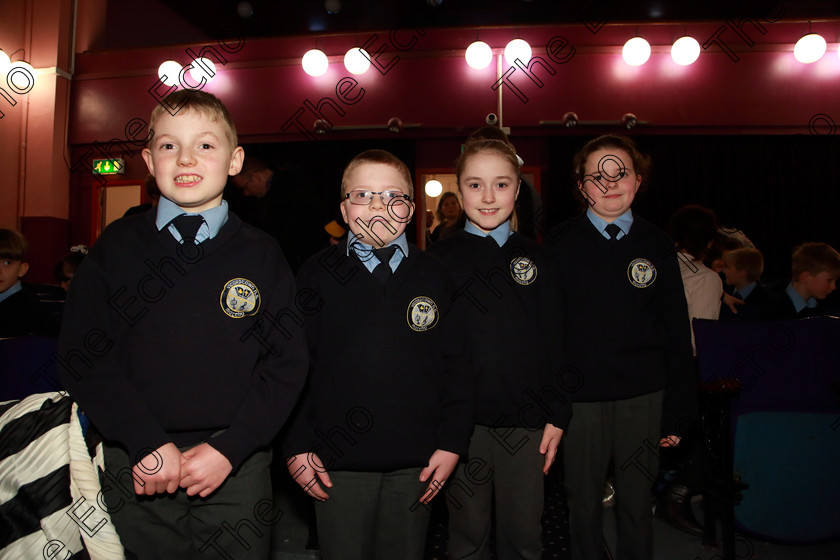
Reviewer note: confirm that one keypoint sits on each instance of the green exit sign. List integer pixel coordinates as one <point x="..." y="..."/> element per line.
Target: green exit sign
<point x="108" y="166"/>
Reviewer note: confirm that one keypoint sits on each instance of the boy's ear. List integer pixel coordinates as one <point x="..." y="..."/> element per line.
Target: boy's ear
<point x="343" y="212"/>
<point x="24" y="268"/>
<point x="147" y="157"/>
<point x="638" y="182"/>
<point x="236" y="159"/>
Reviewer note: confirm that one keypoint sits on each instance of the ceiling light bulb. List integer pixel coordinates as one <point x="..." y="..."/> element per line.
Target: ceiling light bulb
<point x="356" y="61"/>
<point x="315" y="62"/>
<point x="809" y="48"/>
<point x="636" y="51"/>
<point x="168" y="72"/>
<point x="518" y="49"/>
<point x="479" y="55"/>
<point x="21" y="77"/>
<point x="5" y="62"/>
<point x="433" y="188"/>
<point x="202" y="69"/>
<point x="685" y="50"/>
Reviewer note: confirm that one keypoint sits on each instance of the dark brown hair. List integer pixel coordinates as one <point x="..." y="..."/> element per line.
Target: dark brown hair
<point x="641" y="162"/>
<point x="693" y="227"/>
<point x="815" y="258"/>
<point x="13" y="245"/>
<point x="443" y="198"/>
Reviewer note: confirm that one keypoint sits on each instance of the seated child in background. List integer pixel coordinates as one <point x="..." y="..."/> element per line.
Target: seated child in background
<point x="20" y="311"/>
<point x="742" y="271"/>
<point x="65" y="268"/>
<point x="177" y="344"/>
<point x="814" y="271"/>
<point x="387" y="410"/>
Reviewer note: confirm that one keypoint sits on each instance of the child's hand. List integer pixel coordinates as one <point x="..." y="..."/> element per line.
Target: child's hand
<point x="160" y="471"/>
<point x="731" y="301"/>
<point x="203" y="470"/>
<point x="441" y="465"/>
<point x="548" y="446"/>
<point x="669" y="441"/>
<point x="307" y="470"/>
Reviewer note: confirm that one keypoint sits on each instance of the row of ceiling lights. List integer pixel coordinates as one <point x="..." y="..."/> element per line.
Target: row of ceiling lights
<point x="685" y="50"/>
<point x="636" y="51"/>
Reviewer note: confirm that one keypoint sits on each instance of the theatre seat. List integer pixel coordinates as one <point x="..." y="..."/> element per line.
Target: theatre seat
<point x="27" y="367"/>
<point x="783" y="424"/>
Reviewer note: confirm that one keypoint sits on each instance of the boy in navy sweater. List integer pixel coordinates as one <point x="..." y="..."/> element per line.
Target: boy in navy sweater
<point x="175" y="342"/>
<point x="815" y="268"/>
<point x="387" y="411"/>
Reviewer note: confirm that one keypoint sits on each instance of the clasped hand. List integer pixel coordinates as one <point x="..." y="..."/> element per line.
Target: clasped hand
<point x="200" y="470"/>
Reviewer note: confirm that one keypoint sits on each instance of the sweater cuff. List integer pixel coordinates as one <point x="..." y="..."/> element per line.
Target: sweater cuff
<point x="236" y="448"/>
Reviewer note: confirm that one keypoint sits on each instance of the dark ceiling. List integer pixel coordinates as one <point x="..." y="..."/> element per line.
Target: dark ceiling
<point x="265" y="18"/>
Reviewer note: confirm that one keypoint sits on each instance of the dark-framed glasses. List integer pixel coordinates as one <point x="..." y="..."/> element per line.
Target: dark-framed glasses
<point x="364" y="197"/>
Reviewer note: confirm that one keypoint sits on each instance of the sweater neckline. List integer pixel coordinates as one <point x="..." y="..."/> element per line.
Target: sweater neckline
<point x="226" y="232"/>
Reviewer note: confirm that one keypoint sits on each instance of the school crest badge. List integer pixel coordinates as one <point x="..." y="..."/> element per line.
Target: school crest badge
<point x="523" y="270"/>
<point x="240" y="298"/>
<point x="422" y="314"/>
<point x="641" y="273"/>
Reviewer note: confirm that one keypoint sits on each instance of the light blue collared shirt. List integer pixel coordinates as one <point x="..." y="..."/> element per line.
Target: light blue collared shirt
<point x="214" y="219"/>
<point x="11" y="291"/>
<point x="799" y="302"/>
<point x="368" y="258"/>
<point x="747" y="290"/>
<point x="500" y="234"/>
<point x="624" y="222"/>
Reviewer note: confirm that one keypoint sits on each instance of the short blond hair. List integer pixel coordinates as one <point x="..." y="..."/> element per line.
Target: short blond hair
<point x="202" y="102"/>
<point x="746" y="259"/>
<point x="377" y="156"/>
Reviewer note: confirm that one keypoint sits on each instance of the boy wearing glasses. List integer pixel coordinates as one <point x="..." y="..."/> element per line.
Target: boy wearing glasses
<point x="387" y="410"/>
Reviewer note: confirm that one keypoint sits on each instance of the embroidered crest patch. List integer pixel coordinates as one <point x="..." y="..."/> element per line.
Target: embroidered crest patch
<point x="523" y="270"/>
<point x="240" y="298"/>
<point x="641" y="273"/>
<point x="422" y="314"/>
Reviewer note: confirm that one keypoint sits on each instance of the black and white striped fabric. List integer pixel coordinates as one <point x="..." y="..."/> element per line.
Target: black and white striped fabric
<point x="49" y="484"/>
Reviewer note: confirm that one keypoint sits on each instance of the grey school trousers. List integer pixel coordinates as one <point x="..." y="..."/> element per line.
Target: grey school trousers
<point x="373" y="516"/>
<point x="626" y="431"/>
<point x="233" y="522"/>
<point x="503" y="464"/>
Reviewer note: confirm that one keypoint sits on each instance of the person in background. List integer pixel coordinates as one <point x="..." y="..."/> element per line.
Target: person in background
<point x="449" y="215"/>
<point x="335" y="231"/>
<point x="152" y="194"/>
<point x="742" y="269"/>
<point x="268" y="194"/>
<point x="693" y="228"/>
<point x="20" y="311"/>
<point x="814" y="271"/>
<point x="65" y="268"/>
